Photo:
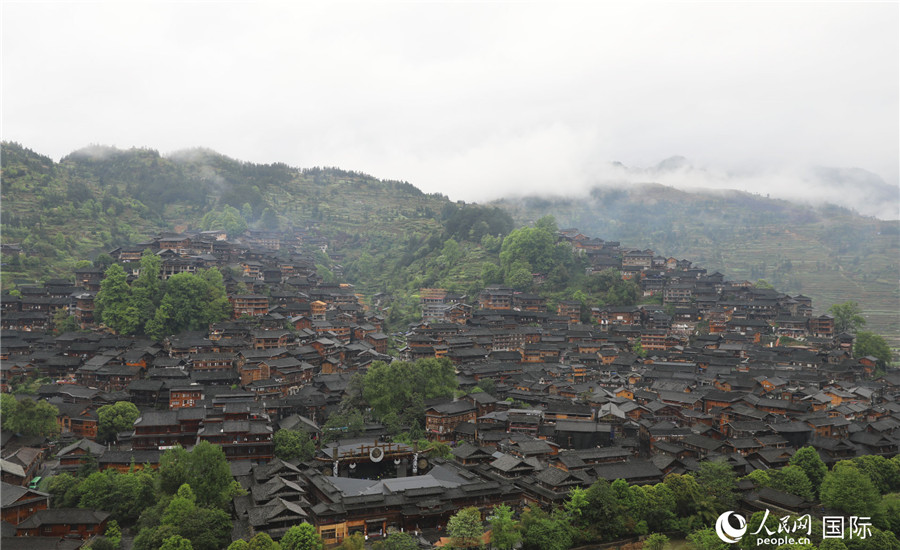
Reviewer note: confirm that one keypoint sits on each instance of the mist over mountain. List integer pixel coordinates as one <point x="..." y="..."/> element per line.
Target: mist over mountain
<point x="97" y="198"/>
<point x="855" y="188"/>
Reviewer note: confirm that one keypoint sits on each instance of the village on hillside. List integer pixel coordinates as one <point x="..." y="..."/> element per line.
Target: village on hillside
<point x="545" y="400"/>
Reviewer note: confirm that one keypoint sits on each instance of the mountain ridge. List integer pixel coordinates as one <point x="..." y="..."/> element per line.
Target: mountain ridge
<point x="99" y="197"/>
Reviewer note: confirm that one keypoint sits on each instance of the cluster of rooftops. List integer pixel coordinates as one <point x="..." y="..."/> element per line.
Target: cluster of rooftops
<point x="634" y="394"/>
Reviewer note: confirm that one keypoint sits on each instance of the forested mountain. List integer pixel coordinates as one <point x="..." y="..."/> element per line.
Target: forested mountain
<point x="391" y="238"/>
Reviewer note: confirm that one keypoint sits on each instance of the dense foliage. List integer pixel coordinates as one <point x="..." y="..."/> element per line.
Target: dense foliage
<point x="847" y="317"/>
<point x="185" y="301"/>
<point x="293" y="444"/>
<point x="116" y="418"/>
<point x="870" y="344"/>
<point x="28" y="417"/>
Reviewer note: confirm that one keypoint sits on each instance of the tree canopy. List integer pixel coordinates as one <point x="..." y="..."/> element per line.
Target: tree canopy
<point x="204" y="468"/>
<point x="465" y="529"/>
<point x="116" y="418"/>
<point x="504" y="529"/>
<point x="531" y="248"/>
<point x="186" y="301"/>
<point x="847" y="317"/>
<point x="28" y="417"/>
<point x="401" y="387"/>
<point x="848" y="489"/>
<point x="293" y="444"/>
<point x="191" y="302"/>
<point x="301" y="537"/>
<point x="869" y="343"/>
<point x="808" y="460"/>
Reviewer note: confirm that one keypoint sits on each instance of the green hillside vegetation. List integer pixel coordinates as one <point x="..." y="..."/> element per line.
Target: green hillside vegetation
<point x="388" y="236"/>
<point x="98" y="198"/>
<point x="393" y="239"/>
<point x="828" y="253"/>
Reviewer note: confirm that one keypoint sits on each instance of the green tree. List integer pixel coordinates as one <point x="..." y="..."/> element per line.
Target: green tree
<point x="638" y="349"/>
<point x="808" y="460"/>
<point x="884" y="473"/>
<point x="173" y="469"/>
<point x="302" y="537"/>
<point x="397" y="541"/>
<point x="465" y="528"/>
<point x="124" y="494"/>
<point x="116" y="418"/>
<point x="28" y="417"/>
<point x="113" y="302"/>
<point x="491" y="274"/>
<point x="102" y="543"/>
<point x="356" y="541"/>
<point x="191" y="302"/>
<point x="790" y="479"/>
<point x="890" y="505"/>
<point x="717" y="478"/>
<point x="146" y="291"/>
<point x="532" y="245"/>
<point x="656" y="541"/>
<point x="397" y="386"/>
<point x="847" y="317"/>
<point x="207" y="528"/>
<point x="451" y="252"/>
<point x="519" y="276"/>
<point x="205" y="468"/>
<point x="660" y="507"/>
<point x="61" y="489"/>
<point x="152" y="538"/>
<point x="491" y="243"/>
<point x="847" y="489"/>
<point x="113" y="533"/>
<point x="602" y="518"/>
<point x="63" y="322"/>
<point x="342" y="425"/>
<point x="294" y="444"/>
<point x="504" y="529"/>
<point x="176" y="542"/>
<point x="229" y="218"/>
<point x="183" y="504"/>
<point x="262" y="541"/>
<point x="239" y="544"/>
<point x="576" y="505"/>
<point x="543" y="531"/>
<point x="868" y="343"/>
<point x="706" y="539"/>
<point x="103" y="260"/>
<point x="269" y="220"/>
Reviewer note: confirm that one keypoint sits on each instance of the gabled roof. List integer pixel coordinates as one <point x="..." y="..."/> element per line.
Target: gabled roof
<point x="64" y="516"/>
<point x="452" y="408"/>
<point x="12" y="468"/>
<point x="509" y="463"/>
<point x="631" y="470"/>
<point x="10" y="493"/>
<point x="87" y="445"/>
<point x="468" y="451"/>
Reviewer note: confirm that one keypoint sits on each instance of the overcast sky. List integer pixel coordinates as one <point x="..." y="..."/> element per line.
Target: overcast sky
<point x="471" y="99"/>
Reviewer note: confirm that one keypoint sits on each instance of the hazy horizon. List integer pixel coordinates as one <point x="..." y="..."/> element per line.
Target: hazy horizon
<point x="478" y="100"/>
